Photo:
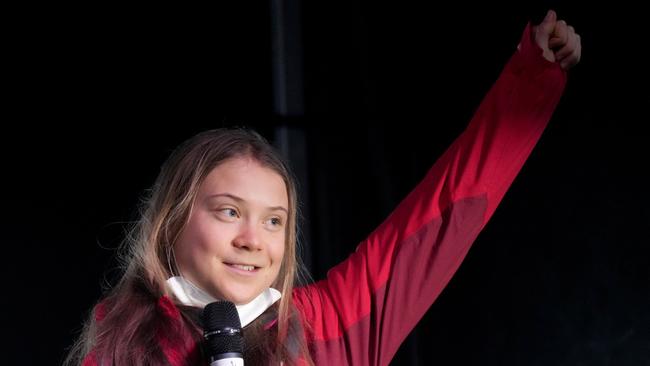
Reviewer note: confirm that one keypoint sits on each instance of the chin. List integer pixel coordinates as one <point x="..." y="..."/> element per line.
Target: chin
<point x="239" y="298"/>
<point x="242" y="300"/>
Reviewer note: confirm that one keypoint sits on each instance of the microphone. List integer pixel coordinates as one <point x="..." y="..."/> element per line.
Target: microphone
<point x="222" y="332"/>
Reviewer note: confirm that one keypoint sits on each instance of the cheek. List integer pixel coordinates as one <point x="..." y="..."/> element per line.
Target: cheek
<point x="279" y="254"/>
<point x="278" y="246"/>
<point x="187" y="251"/>
<point x="196" y="244"/>
<point x="276" y="252"/>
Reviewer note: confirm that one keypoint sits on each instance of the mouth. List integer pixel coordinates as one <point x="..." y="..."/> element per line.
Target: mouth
<point x="242" y="267"/>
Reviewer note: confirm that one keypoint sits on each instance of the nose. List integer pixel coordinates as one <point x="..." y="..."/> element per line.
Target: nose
<point x="248" y="237"/>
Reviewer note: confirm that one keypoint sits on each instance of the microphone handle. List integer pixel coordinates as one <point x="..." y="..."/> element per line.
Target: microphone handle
<point x="228" y="359"/>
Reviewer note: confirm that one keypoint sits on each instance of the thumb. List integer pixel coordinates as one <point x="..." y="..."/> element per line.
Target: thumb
<point x="545" y="28"/>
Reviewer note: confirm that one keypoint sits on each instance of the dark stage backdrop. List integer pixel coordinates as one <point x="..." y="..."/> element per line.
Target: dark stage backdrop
<point x="100" y="96"/>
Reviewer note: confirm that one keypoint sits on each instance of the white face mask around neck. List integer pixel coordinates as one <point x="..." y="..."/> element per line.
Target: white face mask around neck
<point x="190" y="294"/>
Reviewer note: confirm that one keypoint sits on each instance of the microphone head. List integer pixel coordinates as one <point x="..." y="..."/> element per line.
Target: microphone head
<point x="220" y="314"/>
<point x="222" y="328"/>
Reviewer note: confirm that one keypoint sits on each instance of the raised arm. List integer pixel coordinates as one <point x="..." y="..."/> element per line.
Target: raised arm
<point x="369" y="303"/>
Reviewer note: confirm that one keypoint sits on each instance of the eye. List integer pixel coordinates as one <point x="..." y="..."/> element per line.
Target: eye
<point x="274" y="223"/>
<point x="228" y="213"/>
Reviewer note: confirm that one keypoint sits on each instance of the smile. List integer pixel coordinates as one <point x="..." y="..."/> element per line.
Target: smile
<point x="243" y="267"/>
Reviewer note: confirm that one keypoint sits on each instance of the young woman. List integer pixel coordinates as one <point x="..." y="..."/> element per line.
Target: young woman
<point x="220" y="223"/>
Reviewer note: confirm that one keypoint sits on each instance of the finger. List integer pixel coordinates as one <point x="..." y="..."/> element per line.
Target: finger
<point x="572" y="59"/>
<point x="579" y="48"/>
<point x="561" y="32"/>
<point x="555" y="43"/>
<point x="570" y="46"/>
<point x="569" y="61"/>
<point x="558" y="40"/>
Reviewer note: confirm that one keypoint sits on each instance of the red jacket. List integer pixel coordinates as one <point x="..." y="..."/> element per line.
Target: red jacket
<point x="367" y="305"/>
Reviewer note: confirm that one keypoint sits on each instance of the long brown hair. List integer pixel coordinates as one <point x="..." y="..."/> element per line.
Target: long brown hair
<point x="128" y="310"/>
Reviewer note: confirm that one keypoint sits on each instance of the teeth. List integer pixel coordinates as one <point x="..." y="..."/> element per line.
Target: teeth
<point x="245" y="268"/>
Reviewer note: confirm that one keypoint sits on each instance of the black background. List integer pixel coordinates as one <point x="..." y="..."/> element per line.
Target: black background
<point x="98" y="96"/>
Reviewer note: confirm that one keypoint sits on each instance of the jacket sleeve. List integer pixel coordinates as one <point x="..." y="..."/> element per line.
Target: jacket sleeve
<point x="369" y="303"/>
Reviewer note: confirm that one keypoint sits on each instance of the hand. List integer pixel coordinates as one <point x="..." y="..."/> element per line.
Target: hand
<point x="558" y="41"/>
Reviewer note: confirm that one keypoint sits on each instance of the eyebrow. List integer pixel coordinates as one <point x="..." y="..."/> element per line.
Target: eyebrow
<point x="241" y="200"/>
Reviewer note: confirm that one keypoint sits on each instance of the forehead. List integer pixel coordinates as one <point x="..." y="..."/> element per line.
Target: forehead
<point x="246" y="178"/>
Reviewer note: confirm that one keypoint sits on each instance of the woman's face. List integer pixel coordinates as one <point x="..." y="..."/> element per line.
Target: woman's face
<point x="233" y="244"/>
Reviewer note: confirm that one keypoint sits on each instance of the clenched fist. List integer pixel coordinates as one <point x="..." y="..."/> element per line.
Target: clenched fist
<point x="558" y="40"/>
